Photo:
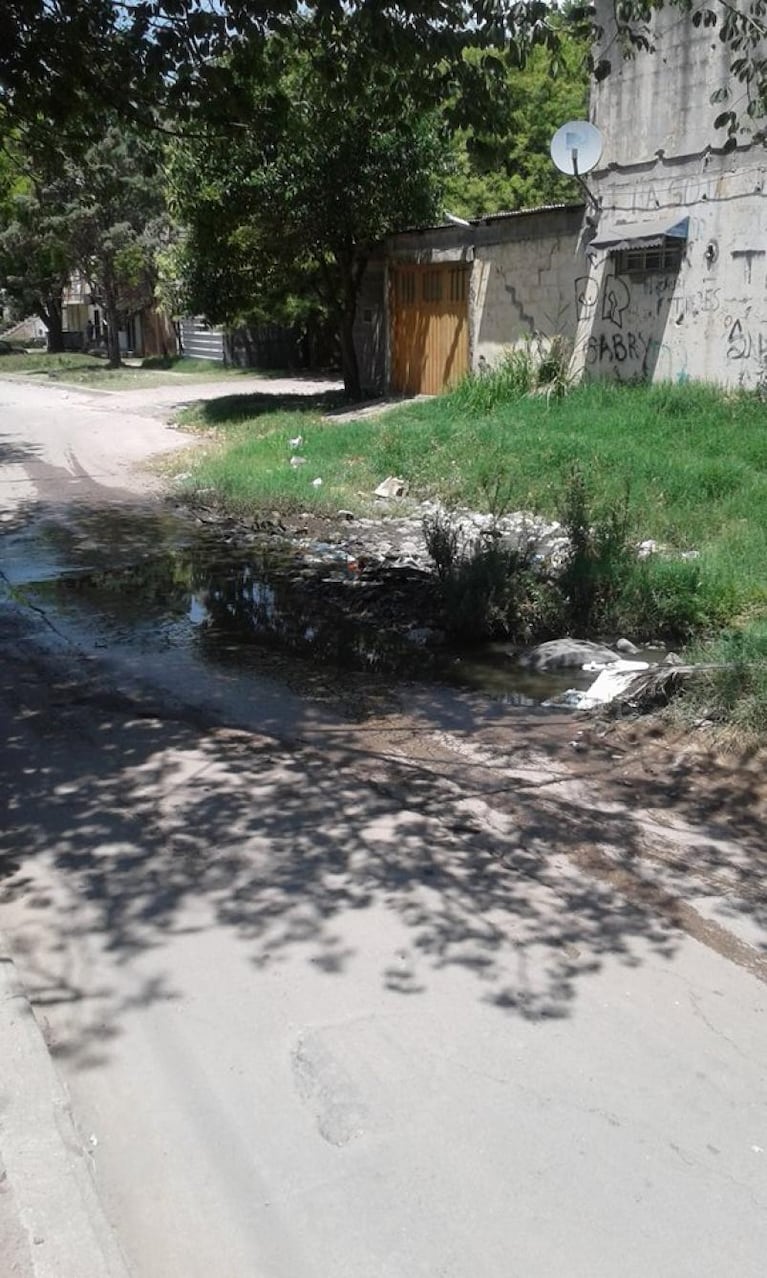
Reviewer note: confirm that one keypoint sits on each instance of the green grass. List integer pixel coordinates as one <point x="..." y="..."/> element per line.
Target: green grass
<point x="41" y="364"/>
<point x="733" y="693"/>
<point x="90" y="370"/>
<point x="197" y="367"/>
<point x="692" y="458"/>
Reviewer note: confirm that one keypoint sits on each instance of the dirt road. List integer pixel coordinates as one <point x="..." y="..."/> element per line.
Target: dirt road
<point x="425" y="991"/>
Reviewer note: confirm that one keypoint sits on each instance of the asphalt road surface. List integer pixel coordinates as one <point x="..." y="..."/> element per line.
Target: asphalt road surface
<point x="419" y="994"/>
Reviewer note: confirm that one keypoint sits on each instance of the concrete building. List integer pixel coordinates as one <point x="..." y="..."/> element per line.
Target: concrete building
<point x="675" y="271"/>
<point x="145" y="330"/>
<point x="443" y="300"/>
<point x="663" y="277"/>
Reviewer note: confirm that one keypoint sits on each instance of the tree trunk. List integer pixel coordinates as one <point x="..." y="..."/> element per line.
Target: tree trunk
<point x="339" y="289"/>
<point x="349" y="363"/>
<point x="352" y="268"/>
<point x="50" y="314"/>
<point x="113" y="326"/>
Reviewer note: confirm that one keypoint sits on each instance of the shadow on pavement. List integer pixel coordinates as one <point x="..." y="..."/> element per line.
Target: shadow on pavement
<point x="500" y="874"/>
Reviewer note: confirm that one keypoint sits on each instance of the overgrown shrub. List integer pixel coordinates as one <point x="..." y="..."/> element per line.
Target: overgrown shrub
<point x="665" y="598"/>
<point x="488" y="588"/>
<point x="537" y="365"/>
<point x="599" y="562"/>
<point x="491" y="589"/>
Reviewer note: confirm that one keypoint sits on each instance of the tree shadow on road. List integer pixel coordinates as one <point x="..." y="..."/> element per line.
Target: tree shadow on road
<point x="155" y="827"/>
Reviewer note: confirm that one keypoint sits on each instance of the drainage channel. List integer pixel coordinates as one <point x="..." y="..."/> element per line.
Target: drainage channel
<point x="149" y="584"/>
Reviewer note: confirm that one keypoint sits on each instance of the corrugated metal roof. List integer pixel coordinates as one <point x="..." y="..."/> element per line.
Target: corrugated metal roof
<point x="537" y="208"/>
<point x="648" y="234"/>
<point x="491" y="217"/>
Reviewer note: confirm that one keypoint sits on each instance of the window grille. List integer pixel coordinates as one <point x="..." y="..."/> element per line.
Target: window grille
<point x="662" y="258"/>
<point x="458" y="279"/>
<point x="405" y="287"/>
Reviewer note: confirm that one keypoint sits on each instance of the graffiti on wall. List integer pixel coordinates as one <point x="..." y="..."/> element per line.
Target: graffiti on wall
<point x="747" y="256"/>
<point x="743" y="341"/>
<point x="665" y="292"/>
<point x="615" y="294"/>
<point x="619" y="347"/>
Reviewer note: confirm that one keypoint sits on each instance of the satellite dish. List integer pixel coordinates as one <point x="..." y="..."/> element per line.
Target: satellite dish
<point x="576" y="147"/>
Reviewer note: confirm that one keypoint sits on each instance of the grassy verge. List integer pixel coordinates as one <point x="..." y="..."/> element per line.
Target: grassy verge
<point x="191" y="366"/>
<point x="692" y="460"/>
<point x="685" y="466"/>
<point x="41" y="364"/>
<point x="90" y="370"/>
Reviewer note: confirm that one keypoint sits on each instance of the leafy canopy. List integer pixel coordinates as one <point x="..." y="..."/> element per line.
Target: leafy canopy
<point x="339" y="152"/>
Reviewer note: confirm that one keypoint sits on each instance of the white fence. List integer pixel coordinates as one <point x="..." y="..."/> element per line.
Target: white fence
<point x="199" y="340"/>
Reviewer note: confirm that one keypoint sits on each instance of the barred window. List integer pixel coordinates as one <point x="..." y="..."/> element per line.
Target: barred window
<point x="404" y="287"/>
<point x="665" y="258"/>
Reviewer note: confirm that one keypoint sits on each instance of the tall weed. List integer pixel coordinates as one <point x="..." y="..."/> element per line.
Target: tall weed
<point x="536" y="365"/>
<point x="599" y="561"/>
<point x="488" y="589"/>
<point x="734" y="690"/>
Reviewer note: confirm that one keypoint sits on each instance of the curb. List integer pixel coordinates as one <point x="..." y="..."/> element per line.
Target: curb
<point x="46" y="1166"/>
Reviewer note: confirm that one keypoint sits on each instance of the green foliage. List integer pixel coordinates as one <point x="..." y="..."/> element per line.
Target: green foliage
<point x="59" y="63"/>
<point x="658" y="441"/>
<point x="97" y="210"/>
<point x="112" y="215"/>
<point x="599" y="561"/>
<point x="35" y="251"/>
<point x="486" y="589"/>
<point x="281" y="216"/>
<point x="536" y="365"/>
<point x="503" y="160"/>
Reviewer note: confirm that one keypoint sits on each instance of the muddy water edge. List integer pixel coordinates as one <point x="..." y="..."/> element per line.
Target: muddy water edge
<point x="252" y="598"/>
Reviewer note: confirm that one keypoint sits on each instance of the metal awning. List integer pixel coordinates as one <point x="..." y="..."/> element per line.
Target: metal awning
<point x="631" y="235"/>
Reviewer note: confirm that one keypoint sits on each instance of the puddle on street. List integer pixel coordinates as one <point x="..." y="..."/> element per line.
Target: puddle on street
<point x="154" y="583"/>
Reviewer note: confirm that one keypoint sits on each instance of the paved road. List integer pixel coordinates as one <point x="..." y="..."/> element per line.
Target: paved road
<point x="381" y="999"/>
<point x="64" y="444"/>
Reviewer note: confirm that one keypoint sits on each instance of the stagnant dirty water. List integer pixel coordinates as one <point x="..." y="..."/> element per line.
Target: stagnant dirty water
<point x="117" y="578"/>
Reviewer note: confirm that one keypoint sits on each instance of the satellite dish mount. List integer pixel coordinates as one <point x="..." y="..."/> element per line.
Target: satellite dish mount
<point x="576" y="149"/>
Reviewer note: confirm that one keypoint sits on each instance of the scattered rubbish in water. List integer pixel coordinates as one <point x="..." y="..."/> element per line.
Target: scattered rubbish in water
<point x="155" y="583"/>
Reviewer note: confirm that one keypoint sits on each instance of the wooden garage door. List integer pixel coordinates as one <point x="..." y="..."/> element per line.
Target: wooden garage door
<point x="429" y="328"/>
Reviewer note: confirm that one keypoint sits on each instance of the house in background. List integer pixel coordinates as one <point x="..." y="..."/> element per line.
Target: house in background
<point x="30" y="331"/>
<point x="663" y="278"/>
<point x="146" y="331"/>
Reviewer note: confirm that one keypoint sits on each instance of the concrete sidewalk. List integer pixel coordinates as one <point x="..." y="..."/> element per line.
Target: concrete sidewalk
<point x="51" y="1222"/>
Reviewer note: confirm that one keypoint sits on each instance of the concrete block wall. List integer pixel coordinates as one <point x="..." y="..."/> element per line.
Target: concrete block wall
<point x="522" y="283"/>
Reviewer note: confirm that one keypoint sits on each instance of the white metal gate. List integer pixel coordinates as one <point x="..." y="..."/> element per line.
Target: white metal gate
<point x="199" y="340"/>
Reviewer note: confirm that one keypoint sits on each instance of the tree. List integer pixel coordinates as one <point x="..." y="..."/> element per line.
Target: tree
<point x="60" y="57"/>
<point x="36" y="256"/>
<point x="114" y="207"/>
<point x="338" y="153"/>
<point x="503" y="162"/>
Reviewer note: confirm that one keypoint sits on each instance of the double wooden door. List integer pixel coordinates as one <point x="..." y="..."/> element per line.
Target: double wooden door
<point x="429" y="313"/>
